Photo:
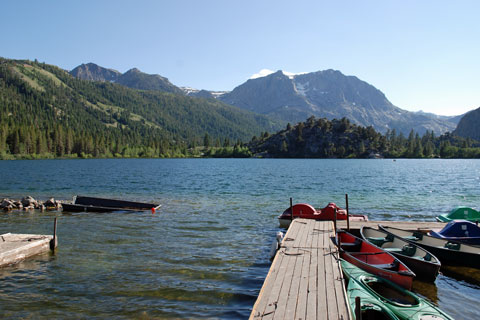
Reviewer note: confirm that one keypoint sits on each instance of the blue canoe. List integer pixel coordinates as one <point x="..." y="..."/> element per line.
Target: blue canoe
<point x="461" y="231"/>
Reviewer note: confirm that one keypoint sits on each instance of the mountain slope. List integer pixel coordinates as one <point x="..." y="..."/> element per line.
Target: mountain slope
<point x="93" y="72"/>
<point x="40" y="100"/>
<point x="136" y="79"/>
<point x="329" y="94"/>
<point x="133" y="78"/>
<point x="468" y="127"/>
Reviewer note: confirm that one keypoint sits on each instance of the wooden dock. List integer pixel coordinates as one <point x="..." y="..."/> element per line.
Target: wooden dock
<point x="17" y="247"/>
<point x="305" y="280"/>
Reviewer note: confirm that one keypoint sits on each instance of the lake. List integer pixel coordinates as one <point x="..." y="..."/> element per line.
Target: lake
<point x="205" y="253"/>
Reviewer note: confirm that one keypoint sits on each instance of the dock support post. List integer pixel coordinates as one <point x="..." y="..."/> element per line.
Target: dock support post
<point x="53" y="242"/>
<point x="348" y="216"/>
<point x="358" y="309"/>
<point x="291" y="209"/>
<point x="335" y="220"/>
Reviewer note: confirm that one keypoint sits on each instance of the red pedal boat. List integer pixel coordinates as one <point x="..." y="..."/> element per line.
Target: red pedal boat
<point x="373" y="259"/>
<point x="306" y="211"/>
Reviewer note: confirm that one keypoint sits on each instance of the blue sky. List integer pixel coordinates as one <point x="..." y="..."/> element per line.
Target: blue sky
<point x="424" y="55"/>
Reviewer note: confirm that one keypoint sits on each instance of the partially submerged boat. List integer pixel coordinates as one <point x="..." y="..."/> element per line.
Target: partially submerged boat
<point x="449" y="252"/>
<point x="379" y="294"/>
<point x="373" y="259"/>
<point x="306" y="211"/>
<point x="424" y="264"/>
<point x="459" y="230"/>
<point x="460" y="213"/>
<point x="94" y="204"/>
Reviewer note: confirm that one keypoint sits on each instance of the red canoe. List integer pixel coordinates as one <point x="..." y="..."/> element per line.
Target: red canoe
<point x="373" y="259"/>
<point x="306" y="211"/>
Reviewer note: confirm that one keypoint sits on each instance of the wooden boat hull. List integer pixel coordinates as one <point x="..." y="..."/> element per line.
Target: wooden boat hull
<point x="114" y="203"/>
<point x="93" y="204"/>
<point x="448" y="252"/>
<point x="402" y="303"/>
<point x="72" y="207"/>
<point x="373" y="259"/>
<point x="424" y="264"/>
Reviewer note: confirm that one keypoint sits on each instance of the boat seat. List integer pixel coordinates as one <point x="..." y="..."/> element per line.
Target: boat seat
<point x="393" y="250"/>
<point x="378" y="241"/>
<point x="452" y="245"/>
<point x="412" y="238"/>
<point x="418" y="235"/>
<point x="408" y="250"/>
<point x="351" y="246"/>
<point x="428" y="257"/>
<point x="389" y="266"/>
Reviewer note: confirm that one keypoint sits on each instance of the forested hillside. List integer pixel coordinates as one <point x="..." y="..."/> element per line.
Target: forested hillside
<point x="45" y="112"/>
<point x="469" y="127"/>
<point x="322" y="138"/>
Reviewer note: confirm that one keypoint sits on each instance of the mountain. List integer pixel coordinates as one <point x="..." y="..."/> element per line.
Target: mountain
<point x="133" y="78"/>
<point x="45" y="109"/>
<point x="329" y="94"/>
<point x="468" y="126"/>
<point x="136" y="79"/>
<point x="93" y="72"/>
<point x="202" y="93"/>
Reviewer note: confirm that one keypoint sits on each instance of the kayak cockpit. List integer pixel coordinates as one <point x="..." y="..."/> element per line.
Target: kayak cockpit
<point x="389" y="292"/>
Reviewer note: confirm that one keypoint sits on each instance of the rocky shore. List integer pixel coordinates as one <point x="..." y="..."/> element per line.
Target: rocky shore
<point x="29" y="203"/>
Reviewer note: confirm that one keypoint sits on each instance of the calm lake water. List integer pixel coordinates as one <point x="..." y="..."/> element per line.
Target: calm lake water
<point x="205" y="254"/>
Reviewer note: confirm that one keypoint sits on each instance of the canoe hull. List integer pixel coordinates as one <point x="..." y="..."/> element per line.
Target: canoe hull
<point x="373" y="259"/>
<point x="423" y="263"/>
<point x="403" y="303"/>
<point x="457" y="254"/>
<point x="403" y="280"/>
<point x="93" y="204"/>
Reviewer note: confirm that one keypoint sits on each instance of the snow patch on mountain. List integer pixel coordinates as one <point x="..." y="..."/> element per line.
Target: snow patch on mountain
<point x="265" y="72"/>
<point x="301" y="88"/>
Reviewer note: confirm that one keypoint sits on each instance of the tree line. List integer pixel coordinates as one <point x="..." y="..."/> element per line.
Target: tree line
<point x="322" y="138"/>
<point x="47" y="113"/>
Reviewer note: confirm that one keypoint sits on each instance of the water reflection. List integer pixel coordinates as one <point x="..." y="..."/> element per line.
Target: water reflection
<point x="427" y="290"/>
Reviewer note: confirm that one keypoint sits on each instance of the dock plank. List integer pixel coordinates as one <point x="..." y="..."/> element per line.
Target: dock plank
<point x="312" y="293"/>
<point x="339" y="281"/>
<point x="265" y="308"/>
<point x="304" y="281"/>
<point x="322" y="308"/>
<point x="287" y="303"/>
<point x="301" y="307"/>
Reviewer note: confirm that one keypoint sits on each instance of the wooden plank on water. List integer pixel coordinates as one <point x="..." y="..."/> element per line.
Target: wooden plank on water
<point x="288" y="294"/>
<point x="303" y="253"/>
<point x="322" y="308"/>
<point x="17" y="247"/>
<point x="339" y="282"/>
<point x="264" y="308"/>
<point x="304" y="281"/>
<point x="329" y="282"/>
<point x="312" y="294"/>
<point x="303" y="290"/>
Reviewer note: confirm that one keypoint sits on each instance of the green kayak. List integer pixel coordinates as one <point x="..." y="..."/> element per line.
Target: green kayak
<point x="460" y="213"/>
<point x="381" y="294"/>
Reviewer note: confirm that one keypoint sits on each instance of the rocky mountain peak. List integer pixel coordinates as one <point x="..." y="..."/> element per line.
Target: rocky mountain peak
<point x="93" y="72"/>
